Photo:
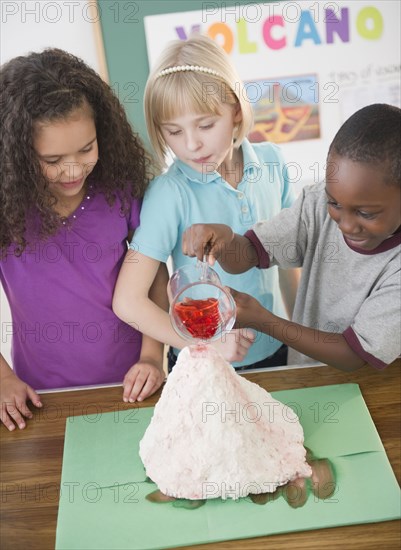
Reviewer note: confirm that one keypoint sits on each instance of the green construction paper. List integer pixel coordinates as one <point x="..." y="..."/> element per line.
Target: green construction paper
<point x="104" y="447"/>
<point x="99" y="510"/>
<point x="330" y="421"/>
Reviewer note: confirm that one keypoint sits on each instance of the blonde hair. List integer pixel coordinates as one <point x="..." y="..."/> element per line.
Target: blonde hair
<point x="169" y="94"/>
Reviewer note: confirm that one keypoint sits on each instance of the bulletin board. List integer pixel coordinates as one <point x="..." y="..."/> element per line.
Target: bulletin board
<point x="123" y="31"/>
<point x="307" y="65"/>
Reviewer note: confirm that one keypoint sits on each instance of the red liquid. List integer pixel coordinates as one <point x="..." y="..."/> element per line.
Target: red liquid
<point x="200" y="317"/>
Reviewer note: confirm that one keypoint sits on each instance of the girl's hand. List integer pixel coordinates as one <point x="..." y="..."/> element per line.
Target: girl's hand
<point x="13" y="394"/>
<point x="142" y="380"/>
<point x="207" y="239"/>
<point x="234" y="345"/>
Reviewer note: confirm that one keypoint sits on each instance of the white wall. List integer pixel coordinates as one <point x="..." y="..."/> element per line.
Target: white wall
<point x="32" y="25"/>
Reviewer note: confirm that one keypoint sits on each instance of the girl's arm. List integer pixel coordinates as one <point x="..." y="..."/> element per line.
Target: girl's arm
<point x="328" y="348"/>
<point x="147" y="375"/>
<point x="152" y="350"/>
<point x="132" y="303"/>
<point x="289" y="281"/>
<point x="14" y="394"/>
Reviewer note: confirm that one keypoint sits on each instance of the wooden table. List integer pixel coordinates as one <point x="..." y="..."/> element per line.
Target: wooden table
<point x="31" y="461"/>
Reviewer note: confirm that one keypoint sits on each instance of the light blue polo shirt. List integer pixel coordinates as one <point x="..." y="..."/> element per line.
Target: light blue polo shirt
<point x="182" y="196"/>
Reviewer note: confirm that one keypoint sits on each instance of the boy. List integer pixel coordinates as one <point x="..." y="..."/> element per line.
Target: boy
<point x="346" y="234"/>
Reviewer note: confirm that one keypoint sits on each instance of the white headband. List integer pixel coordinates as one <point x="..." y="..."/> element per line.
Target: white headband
<point x="182" y="68"/>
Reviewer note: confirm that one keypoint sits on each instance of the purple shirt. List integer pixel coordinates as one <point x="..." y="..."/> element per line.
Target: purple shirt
<point x="60" y="293"/>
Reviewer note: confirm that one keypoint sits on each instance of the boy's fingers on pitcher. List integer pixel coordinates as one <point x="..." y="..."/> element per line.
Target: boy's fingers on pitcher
<point x="241" y="299"/>
<point x="234" y="293"/>
<point x="198" y="240"/>
<point x="238" y="299"/>
<point x="191" y="243"/>
<point x="186" y="243"/>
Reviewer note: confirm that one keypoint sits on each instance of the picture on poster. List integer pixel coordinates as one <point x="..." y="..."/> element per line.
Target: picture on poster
<point x="307" y="66"/>
<point x="285" y="110"/>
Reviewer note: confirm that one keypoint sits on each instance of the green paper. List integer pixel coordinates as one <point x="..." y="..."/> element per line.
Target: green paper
<point x="103" y="448"/>
<point x="103" y="489"/>
<point x="335" y="419"/>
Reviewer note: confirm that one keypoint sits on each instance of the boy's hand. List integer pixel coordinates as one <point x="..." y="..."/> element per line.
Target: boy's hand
<point x="235" y="344"/>
<point x="14" y="394"/>
<point x="142" y="380"/>
<point x="206" y="239"/>
<point x="249" y="310"/>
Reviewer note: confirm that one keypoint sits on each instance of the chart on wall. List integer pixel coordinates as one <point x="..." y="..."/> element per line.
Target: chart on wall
<point x="306" y="65"/>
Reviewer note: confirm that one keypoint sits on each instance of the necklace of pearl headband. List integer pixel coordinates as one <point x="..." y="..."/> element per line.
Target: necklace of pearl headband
<point x="183" y="68"/>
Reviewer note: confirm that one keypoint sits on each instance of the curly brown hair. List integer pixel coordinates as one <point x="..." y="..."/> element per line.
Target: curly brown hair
<point x="48" y="86"/>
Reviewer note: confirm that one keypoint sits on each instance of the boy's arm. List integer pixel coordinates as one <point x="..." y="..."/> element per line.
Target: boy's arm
<point x="235" y="253"/>
<point x="328" y="348"/>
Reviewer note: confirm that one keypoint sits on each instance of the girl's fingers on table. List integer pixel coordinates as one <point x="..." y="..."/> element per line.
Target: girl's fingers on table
<point x="34" y="397"/>
<point x="13" y="411"/>
<point x="147" y="389"/>
<point x="6" y="420"/>
<point x="128" y="384"/>
<point x="137" y="387"/>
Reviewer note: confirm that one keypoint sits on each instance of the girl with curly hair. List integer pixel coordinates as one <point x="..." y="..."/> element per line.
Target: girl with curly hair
<point x="73" y="175"/>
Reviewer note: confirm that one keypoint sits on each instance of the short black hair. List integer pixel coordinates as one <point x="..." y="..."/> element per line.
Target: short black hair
<point x="372" y="135"/>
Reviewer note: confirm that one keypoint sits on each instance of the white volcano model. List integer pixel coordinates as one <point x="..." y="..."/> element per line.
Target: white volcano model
<point x="215" y="434"/>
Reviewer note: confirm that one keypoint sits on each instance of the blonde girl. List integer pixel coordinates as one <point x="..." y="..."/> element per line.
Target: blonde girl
<point x="197" y="110"/>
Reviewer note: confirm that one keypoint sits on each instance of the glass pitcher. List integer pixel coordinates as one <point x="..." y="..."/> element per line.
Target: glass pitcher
<point x="200" y="308"/>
